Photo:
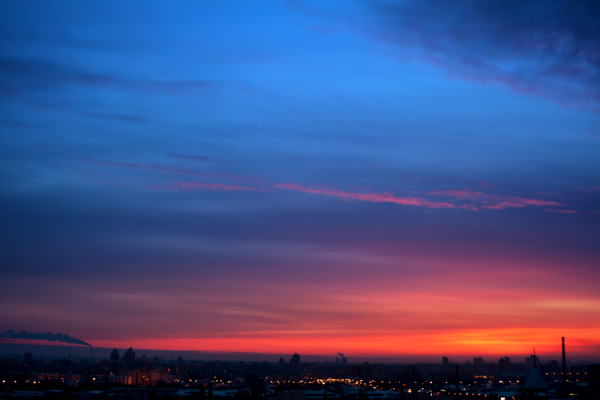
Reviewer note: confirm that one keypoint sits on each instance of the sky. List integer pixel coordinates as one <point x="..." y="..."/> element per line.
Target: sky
<point x="377" y="178"/>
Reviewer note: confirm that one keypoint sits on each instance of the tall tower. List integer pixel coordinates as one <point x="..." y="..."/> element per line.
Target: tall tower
<point x="564" y="363"/>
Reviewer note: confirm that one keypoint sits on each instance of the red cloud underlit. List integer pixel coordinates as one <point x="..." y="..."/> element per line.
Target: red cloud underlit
<point x="207" y="185"/>
<point x="372" y="197"/>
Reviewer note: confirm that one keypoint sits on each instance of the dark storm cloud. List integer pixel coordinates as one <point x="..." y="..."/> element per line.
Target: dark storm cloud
<point x="545" y="48"/>
<point x="52" y="337"/>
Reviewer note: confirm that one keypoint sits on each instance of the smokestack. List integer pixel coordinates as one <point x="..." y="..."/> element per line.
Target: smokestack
<point x="58" y="337"/>
<point x="457" y="389"/>
<point x="564" y="366"/>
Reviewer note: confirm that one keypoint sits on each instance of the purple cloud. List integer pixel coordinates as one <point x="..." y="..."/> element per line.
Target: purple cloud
<point x="494" y="201"/>
<point x="194" y="185"/>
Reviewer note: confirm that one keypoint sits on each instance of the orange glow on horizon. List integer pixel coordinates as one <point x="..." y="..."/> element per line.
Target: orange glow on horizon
<point x="501" y="342"/>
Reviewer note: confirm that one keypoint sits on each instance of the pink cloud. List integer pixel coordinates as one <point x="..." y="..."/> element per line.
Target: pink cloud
<point x="481" y="200"/>
<point x="465" y="193"/>
<point x="562" y="211"/>
<point x="588" y="189"/>
<point x="495" y="201"/>
<point x="372" y="197"/>
<point x="475" y="200"/>
<point x="208" y="186"/>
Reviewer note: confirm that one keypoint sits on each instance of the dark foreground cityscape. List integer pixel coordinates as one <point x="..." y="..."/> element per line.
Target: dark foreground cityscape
<point x="126" y="375"/>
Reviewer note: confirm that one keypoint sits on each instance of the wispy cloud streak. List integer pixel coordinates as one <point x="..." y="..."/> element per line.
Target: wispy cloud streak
<point x="465" y="198"/>
<point x="165" y="169"/>
<point x="194" y="185"/>
<point x="495" y="201"/>
<point x="372" y="197"/>
<point x="471" y="200"/>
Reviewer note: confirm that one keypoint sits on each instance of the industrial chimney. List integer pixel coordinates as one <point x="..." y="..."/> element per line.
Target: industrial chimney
<point x="564" y="365"/>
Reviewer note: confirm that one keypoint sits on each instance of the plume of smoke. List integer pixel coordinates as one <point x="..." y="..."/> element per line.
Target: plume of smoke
<point x="341" y="355"/>
<point x="52" y="337"/>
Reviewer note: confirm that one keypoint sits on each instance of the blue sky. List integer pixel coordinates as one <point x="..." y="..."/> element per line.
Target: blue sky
<point x="238" y="140"/>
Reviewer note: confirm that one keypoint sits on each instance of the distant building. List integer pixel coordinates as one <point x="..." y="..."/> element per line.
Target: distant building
<point x="445" y="362"/>
<point x="504" y="365"/>
<point x="120" y="379"/>
<point x="114" y="355"/>
<point x="593" y="376"/>
<point x="552" y="366"/>
<point x="535" y="385"/>
<point x="295" y="359"/>
<point x="293" y="395"/>
<point x="129" y="356"/>
<point x="28" y="359"/>
<point x="295" y="363"/>
<point x="532" y="362"/>
<point x="181" y="369"/>
<point x="144" y="377"/>
<point x="378" y="371"/>
<point x="410" y="373"/>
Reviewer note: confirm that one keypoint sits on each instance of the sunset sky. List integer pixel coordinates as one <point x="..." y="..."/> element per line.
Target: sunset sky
<point x="377" y="178"/>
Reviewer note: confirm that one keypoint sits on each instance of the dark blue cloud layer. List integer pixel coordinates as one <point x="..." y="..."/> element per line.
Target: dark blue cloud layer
<point x="544" y="48"/>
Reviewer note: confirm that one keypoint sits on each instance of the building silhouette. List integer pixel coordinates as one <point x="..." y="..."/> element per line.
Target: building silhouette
<point x="129" y="356"/>
<point x="295" y="363"/>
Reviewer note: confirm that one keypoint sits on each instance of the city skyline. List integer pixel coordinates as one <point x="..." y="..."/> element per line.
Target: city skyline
<point x="63" y="350"/>
<point x="376" y="178"/>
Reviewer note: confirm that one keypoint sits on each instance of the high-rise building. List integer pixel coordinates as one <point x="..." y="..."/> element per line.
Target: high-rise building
<point x="504" y="365"/>
<point x="295" y="363"/>
<point x="129" y="355"/>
